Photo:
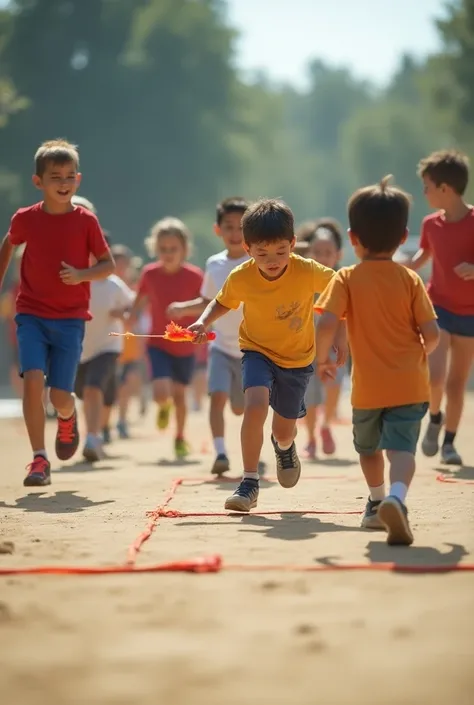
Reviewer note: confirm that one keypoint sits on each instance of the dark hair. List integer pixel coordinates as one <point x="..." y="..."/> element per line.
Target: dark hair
<point x="378" y="216"/>
<point x="305" y="231"/>
<point x="121" y="251"/>
<point x="268" y="220"/>
<point x="56" y="151"/>
<point x="448" y="167"/>
<point x="234" y="204"/>
<point x="334" y="228"/>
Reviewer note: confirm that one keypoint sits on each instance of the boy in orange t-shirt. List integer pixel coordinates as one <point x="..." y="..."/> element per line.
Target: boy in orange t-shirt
<point x="392" y="328"/>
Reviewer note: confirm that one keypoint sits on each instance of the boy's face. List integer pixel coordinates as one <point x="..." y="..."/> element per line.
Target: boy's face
<point x="272" y="257"/>
<point x="323" y="250"/>
<point x="435" y="195"/>
<point x="230" y="230"/>
<point x="59" y="182"/>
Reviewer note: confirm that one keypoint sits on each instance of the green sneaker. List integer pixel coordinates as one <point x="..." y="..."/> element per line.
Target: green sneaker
<point x="163" y="416"/>
<point x="181" y="448"/>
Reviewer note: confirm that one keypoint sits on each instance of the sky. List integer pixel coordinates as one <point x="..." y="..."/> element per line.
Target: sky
<point x="282" y="36"/>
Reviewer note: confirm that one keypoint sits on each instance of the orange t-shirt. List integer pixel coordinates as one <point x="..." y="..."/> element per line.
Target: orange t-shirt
<point x="384" y="305"/>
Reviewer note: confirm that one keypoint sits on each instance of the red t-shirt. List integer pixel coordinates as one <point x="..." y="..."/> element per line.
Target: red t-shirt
<point x="450" y="244"/>
<point x="51" y="239"/>
<point x="162" y="288"/>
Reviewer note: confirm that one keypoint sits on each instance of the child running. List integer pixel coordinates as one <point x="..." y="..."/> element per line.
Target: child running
<point x="225" y="358"/>
<point x="53" y="301"/>
<point x="170" y="279"/>
<point x="324" y="246"/>
<point x="277" y="291"/>
<point x="447" y="238"/>
<point x="392" y="328"/>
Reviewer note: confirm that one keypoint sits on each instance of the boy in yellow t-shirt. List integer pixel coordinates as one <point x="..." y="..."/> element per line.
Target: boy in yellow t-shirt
<point x="392" y="328"/>
<point x="276" y="337"/>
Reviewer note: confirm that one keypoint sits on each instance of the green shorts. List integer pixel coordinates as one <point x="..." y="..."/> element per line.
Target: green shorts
<point x="392" y="428"/>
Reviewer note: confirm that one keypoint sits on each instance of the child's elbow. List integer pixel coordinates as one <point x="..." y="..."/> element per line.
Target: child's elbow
<point x="431" y="336"/>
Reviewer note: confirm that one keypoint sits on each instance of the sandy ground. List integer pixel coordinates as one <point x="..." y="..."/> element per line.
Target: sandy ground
<point x="232" y="637"/>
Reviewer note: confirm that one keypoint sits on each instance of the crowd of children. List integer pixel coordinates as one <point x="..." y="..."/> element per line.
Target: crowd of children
<point x="284" y="326"/>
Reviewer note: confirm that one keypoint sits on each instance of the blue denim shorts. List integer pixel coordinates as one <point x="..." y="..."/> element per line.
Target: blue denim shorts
<point x="287" y="386"/>
<point x="53" y="345"/>
<point x="178" y="369"/>
<point x="454" y="323"/>
<point x="393" y="428"/>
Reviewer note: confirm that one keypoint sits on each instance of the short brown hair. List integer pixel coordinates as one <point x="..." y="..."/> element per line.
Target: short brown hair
<point x="269" y="221"/>
<point x="448" y="167"/>
<point x="168" y="226"/>
<point x="378" y="216"/>
<point x="234" y="204"/>
<point x="56" y="151"/>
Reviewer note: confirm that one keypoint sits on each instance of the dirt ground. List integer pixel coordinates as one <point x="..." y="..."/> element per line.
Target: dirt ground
<point x="232" y="637"/>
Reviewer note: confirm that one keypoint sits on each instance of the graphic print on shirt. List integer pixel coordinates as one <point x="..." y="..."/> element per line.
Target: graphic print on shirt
<point x="290" y="313"/>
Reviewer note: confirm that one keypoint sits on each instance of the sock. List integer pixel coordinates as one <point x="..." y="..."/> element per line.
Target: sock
<point x="449" y="437"/>
<point x="40" y="452"/>
<point x="399" y="490"/>
<point x="219" y="446"/>
<point x="377" y="493"/>
<point x="284" y="446"/>
<point x="93" y="438"/>
<point x="436" y="418"/>
<point x="251" y="475"/>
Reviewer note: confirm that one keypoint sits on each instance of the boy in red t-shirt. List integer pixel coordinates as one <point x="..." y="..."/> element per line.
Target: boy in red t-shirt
<point x="447" y="238"/>
<point x="53" y="299"/>
<point x="168" y="280"/>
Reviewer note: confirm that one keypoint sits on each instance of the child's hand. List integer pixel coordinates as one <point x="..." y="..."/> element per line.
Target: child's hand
<point x="342" y="353"/>
<point x="327" y="371"/>
<point x="465" y="271"/>
<point x="70" y="275"/>
<point x="199" y="331"/>
<point x="174" y="311"/>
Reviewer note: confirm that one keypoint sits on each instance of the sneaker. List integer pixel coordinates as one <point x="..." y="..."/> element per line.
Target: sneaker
<point x="310" y="450"/>
<point x="106" y="436"/>
<point x="221" y="465"/>
<point x="38" y="472"/>
<point x="288" y="465"/>
<point x="394" y="516"/>
<point x="245" y="496"/>
<point x="371" y="519"/>
<point x="67" y="437"/>
<point x="122" y="430"/>
<point x="181" y="448"/>
<point x="92" y="451"/>
<point x="329" y="446"/>
<point x="430" y="442"/>
<point x="163" y="416"/>
<point x="449" y="455"/>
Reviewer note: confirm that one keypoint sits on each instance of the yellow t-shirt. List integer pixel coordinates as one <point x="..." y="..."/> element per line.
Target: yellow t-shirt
<point x="277" y="315"/>
<point x="384" y="305"/>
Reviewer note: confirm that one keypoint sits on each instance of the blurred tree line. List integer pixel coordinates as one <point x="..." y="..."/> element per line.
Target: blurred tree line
<point x="165" y="125"/>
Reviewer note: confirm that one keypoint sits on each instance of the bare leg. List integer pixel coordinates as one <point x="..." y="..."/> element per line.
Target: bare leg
<point x="179" y="399"/>
<point x="462" y="355"/>
<point x="251" y="434"/>
<point x="33" y="409"/>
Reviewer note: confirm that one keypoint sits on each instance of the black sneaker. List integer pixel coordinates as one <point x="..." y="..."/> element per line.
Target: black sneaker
<point x="39" y="473"/>
<point x="371" y="519"/>
<point x="221" y="465"/>
<point x="394" y="516"/>
<point x="67" y="437"/>
<point x="288" y="465"/>
<point x="245" y="496"/>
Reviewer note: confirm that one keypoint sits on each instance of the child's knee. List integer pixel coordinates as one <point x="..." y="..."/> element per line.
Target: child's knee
<point x="256" y="400"/>
<point x="60" y="399"/>
<point x="237" y="410"/>
<point x="455" y="386"/>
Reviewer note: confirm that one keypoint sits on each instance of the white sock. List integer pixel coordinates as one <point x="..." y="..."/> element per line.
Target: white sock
<point x="399" y="490"/>
<point x="377" y="493"/>
<point x="219" y="446"/>
<point x="40" y="452"/>
<point x="284" y="446"/>
<point x="251" y="475"/>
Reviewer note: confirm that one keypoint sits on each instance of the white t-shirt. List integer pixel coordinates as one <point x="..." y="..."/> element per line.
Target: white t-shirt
<point x="106" y="296"/>
<point x="218" y="268"/>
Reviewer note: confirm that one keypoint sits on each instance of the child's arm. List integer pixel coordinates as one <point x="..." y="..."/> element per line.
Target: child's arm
<point x="326" y="331"/>
<point x="181" y="309"/>
<point x="6" y="252"/>
<point x="214" y="310"/>
<point x="465" y="271"/>
<point x="418" y="260"/>
<point x="431" y="335"/>
<point x="332" y="305"/>
<point x="136" y="309"/>
<point x="103" y="268"/>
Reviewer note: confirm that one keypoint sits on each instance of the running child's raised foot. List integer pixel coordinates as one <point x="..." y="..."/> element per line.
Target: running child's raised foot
<point x="394" y="516"/>
<point x="288" y="465"/>
<point x="245" y="496"/>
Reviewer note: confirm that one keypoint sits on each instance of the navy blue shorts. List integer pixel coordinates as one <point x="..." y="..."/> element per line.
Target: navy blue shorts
<point x="454" y="323"/>
<point x="287" y="386"/>
<point x="178" y="369"/>
<point x="52" y="345"/>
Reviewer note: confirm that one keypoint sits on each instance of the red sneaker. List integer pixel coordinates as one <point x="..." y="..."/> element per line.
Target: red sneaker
<point x="67" y="437"/>
<point x="39" y="473"/>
